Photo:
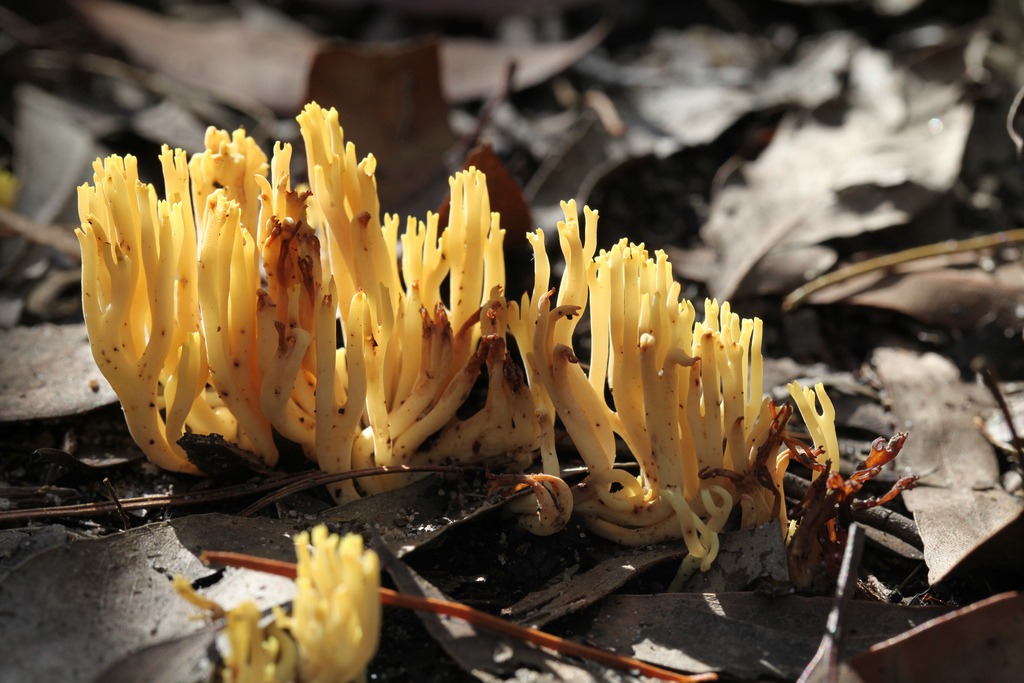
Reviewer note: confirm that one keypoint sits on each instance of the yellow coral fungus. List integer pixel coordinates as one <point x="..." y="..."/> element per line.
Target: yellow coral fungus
<point x="333" y="629"/>
<point x="336" y="613"/>
<point x="217" y="310"/>
<point x="194" y="338"/>
<point x="686" y="398"/>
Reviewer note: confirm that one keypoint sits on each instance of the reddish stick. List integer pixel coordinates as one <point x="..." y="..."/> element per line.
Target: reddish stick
<point x="477" y="618"/>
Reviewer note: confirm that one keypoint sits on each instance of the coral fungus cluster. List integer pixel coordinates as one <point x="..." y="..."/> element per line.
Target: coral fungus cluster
<point x="686" y="399"/>
<point x="207" y="344"/>
<point x="216" y="309"/>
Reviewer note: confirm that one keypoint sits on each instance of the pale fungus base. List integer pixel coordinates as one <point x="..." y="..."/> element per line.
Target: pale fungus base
<point x="215" y="311"/>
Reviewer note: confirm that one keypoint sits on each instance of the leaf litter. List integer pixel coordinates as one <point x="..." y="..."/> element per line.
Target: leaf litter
<point x="808" y="148"/>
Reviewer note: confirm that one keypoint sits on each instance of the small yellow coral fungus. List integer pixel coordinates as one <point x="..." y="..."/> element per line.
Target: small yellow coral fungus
<point x="336" y="613"/>
<point x="334" y="626"/>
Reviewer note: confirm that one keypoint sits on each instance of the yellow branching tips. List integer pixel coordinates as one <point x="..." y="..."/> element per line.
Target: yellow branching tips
<point x="336" y="614"/>
<point x="334" y="627"/>
<point x="216" y="310"/>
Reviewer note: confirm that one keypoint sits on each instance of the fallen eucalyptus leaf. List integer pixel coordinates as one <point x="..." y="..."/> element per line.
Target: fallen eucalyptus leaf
<point x="745" y="556"/>
<point x="874" y="159"/>
<point x="746" y="635"/>
<point x="391" y="103"/>
<point x="49" y="371"/>
<point x="980" y="642"/>
<point x="959" y="502"/>
<point x="228" y="55"/>
<point x="474" y="69"/>
<point x="487" y="655"/>
<point x="942" y="291"/>
<point x="178" y="660"/>
<point x="18" y="545"/>
<point x="54" y="155"/>
<point x="409" y="517"/>
<point x="696" y="83"/>
<point x="582" y="590"/>
<point x="107" y="598"/>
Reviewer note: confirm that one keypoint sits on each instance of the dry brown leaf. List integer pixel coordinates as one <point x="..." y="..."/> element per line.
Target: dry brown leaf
<point x="745" y="556"/>
<point x="884" y="7"/>
<point x="272" y="65"/>
<point x="747" y="635"/>
<point x="54" y="374"/>
<point x="53" y="155"/>
<point x="409" y="517"/>
<point x="467" y="9"/>
<point x="873" y="161"/>
<point x="505" y="195"/>
<point x="695" y="83"/>
<point x="479" y="651"/>
<point x="582" y="590"/>
<point x="959" y="502"/>
<point x="474" y="69"/>
<point x="390" y="103"/>
<point x="228" y="55"/>
<point x="977" y="643"/>
<point x="1002" y="551"/>
<point x="950" y="297"/>
<point x="104" y="599"/>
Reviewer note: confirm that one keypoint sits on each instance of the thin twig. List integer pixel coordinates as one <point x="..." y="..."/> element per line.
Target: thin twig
<point x="1011" y="116"/>
<point x="798" y="296"/>
<point x="299" y="482"/>
<point x="991" y="382"/>
<point x="113" y="494"/>
<point x="475" y="617"/>
<point x="832" y="642"/>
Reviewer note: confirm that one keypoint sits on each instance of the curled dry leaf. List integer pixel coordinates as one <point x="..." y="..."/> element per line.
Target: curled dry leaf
<point x="943" y="291"/>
